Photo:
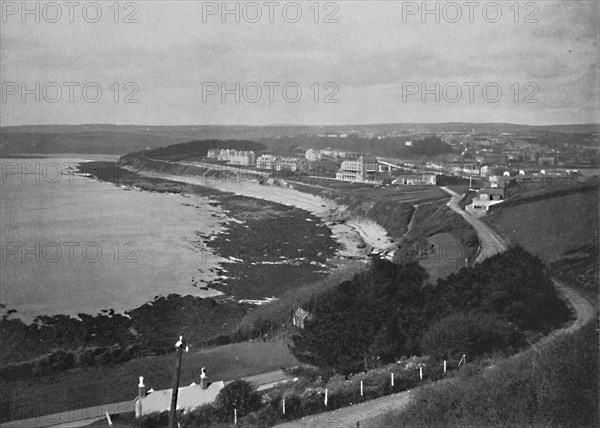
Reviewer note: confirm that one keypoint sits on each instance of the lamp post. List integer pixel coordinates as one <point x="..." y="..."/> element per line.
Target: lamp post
<point x="179" y="346"/>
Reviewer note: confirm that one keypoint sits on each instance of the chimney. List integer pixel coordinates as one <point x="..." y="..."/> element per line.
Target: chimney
<point x="141" y="388"/>
<point x="203" y="381"/>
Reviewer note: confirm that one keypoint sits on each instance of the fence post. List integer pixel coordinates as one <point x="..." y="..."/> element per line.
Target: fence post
<point x="444" y="366"/>
<point x="326" y="397"/>
<point x="284" y="406"/>
<point x="234" y="416"/>
<point x="392" y="379"/>
<point x="421" y="372"/>
<point x="361" y="388"/>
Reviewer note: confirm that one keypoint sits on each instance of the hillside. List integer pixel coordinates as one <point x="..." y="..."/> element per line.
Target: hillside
<point x="97" y="142"/>
<point x="552" y="225"/>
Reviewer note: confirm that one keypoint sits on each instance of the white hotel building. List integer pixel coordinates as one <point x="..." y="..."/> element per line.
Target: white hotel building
<point x="362" y="170"/>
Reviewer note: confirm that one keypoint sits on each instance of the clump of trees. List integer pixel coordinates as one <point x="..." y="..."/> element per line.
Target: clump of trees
<point x="390" y="311"/>
<point x="472" y="333"/>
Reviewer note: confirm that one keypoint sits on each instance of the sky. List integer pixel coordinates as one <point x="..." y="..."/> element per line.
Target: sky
<point x="313" y="63"/>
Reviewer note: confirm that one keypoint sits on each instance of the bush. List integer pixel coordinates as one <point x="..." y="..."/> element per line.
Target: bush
<point x="239" y="395"/>
<point x="156" y="420"/>
<point x="293" y="405"/>
<point x="267" y="416"/>
<point x="474" y="334"/>
<point x="206" y="414"/>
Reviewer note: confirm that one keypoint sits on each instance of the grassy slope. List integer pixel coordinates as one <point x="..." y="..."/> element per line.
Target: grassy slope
<point x="551" y="226"/>
<point x="101" y="385"/>
<point x="556" y="385"/>
<point x="390" y="207"/>
<point x="452" y="238"/>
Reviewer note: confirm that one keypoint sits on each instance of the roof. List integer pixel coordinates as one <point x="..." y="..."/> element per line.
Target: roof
<point x="188" y="398"/>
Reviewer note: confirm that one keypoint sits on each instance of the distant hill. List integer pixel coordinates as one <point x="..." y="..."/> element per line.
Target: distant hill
<point x="121" y="139"/>
<point x="98" y="142"/>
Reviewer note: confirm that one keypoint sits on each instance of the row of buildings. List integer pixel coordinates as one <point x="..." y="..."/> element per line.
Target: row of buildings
<point x="314" y="155"/>
<point x="280" y="163"/>
<point x="265" y="162"/>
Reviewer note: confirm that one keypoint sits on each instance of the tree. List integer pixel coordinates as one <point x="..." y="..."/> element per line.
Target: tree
<point x="371" y="316"/>
<point x="475" y="334"/>
<point x="384" y="312"/>
<point x="239" y="395"/>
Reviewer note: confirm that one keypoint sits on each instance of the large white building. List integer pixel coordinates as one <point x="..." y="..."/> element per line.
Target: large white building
<point x="232" y="156"/>
<point x="267" y="162"/>
<point x="291" y="164"/>
<point x="362" y="169"/>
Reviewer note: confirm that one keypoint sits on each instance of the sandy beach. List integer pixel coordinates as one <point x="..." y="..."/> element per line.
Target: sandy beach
<point x="358" y="236"/>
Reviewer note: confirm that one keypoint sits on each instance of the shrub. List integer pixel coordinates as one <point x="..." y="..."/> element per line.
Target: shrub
<point x="239" y="395"/>
<point x="267" y="416"/>
<point x="206" y="414"/>
<point x="293" y="405"/>
<point x="156" y="420"/>
<point x="474" y="334"/>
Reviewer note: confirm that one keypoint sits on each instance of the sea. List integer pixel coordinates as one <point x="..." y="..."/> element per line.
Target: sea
<point x="72" y="244"/>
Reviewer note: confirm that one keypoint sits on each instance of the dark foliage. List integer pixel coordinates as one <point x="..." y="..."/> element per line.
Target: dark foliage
<point x="470" y="333"/>
<point x="239" y="395"/>
<point x="384" y="312"/>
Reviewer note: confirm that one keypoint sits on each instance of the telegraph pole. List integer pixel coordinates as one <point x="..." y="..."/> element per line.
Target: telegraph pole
<point x="179" y="346"/>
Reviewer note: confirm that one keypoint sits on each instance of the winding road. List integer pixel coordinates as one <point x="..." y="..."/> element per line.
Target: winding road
<point x="490" y="242"/>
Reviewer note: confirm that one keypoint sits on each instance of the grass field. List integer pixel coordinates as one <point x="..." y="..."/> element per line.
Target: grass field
<point x="81" y="388"/>
<point x="551" y="226"/>
<point x="413" y="194"/>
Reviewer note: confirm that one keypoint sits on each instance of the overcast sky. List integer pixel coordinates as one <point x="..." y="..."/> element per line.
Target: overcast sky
<point x="372" y="61"/>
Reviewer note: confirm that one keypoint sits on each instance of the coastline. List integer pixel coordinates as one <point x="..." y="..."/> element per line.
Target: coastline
<point x="308" y="239"/>
<point x="130" y="266"/>
<point x="358" y="237"/>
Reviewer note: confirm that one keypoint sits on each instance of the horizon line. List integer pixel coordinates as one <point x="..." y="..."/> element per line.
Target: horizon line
<point x="300" y="125"/>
